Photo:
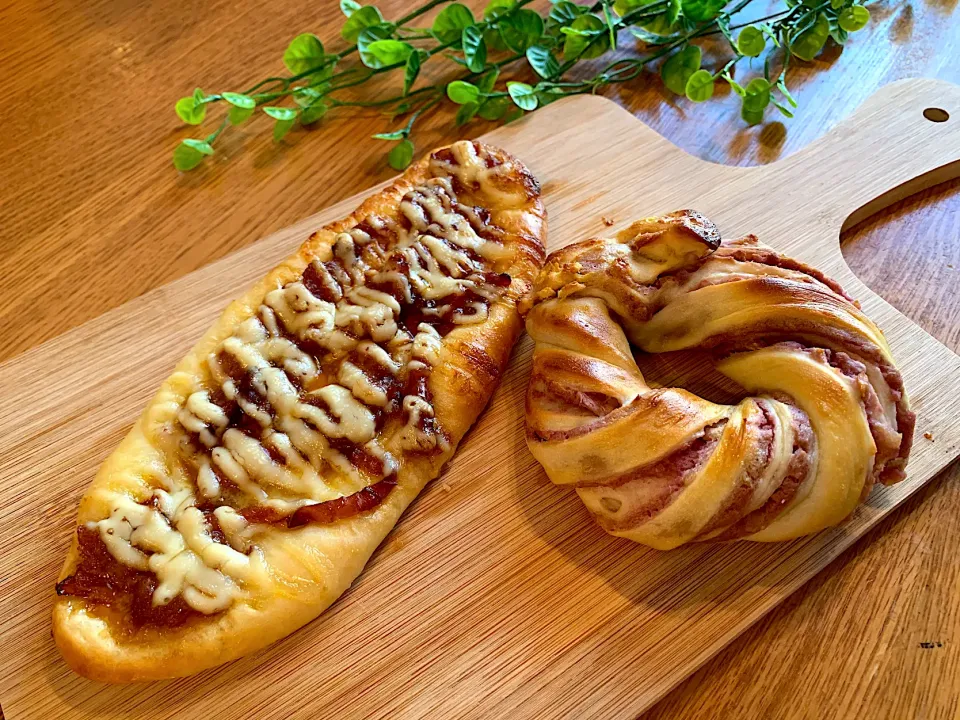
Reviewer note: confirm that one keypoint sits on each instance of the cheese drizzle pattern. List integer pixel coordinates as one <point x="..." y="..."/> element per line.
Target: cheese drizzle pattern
<point x="293" y="407"/>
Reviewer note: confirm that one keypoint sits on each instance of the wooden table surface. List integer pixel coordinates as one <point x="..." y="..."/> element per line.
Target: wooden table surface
<point x="92" y="214"/>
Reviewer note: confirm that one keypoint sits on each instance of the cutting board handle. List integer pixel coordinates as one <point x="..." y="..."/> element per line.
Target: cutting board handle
<point x="909" y="130"/>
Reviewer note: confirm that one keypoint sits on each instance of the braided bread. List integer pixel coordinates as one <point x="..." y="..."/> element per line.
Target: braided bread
<point x="827" y="417"/>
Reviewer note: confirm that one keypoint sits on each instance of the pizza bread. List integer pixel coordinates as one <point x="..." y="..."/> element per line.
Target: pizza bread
<point x="285" y="446"/>
<point x="826" y="414"/>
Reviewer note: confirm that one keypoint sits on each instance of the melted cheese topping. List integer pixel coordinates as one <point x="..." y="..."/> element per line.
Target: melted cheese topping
<point x="319" y="363"/>
<point x="183" y="556"/>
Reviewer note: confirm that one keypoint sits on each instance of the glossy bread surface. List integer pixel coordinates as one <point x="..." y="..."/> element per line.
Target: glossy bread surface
<point x="827" y="418"/>
<point x="285" y="446"/>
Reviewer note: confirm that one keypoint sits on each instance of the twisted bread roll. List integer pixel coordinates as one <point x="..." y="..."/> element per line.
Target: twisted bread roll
<point x="661" y="466"/>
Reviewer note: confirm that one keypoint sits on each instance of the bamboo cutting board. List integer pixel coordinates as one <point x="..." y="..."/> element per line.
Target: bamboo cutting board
<point x="496" y="596"/>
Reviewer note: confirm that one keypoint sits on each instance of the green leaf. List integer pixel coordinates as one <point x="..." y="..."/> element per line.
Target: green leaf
<point x="837" y="4"/>
<point x="782" y="87"/>
<point x="751" y="117"/>
<point x="385" y="53"/>
<point x="367" y="37"/>
<point x="664" y="24"/>
<point x="465" y="113"/>
<point x="701" y="10"/>
<point x="564" y="13"/>
<point x="239" y="100"/>
<point x="673" y="12"/>
<point x="757" y="95"/>
<point x="349" y="7"/>
<point x="311" y="113"/>
<point x="474" y="48"/>
<point x="360" y="20"/>
<point x="451" y="21"/>
<point x="622" y="7"/>
<point x="201" y="146"/>
<point x="737" y="87"/>
<point x="496" y="8"/>
<point x="811" y="41"/>
<point x="542" y="60"/>
<point x="462" y="92"/>
<point x="494" y="108"/>
<point x="514" y="114"/>
<point x="238" y="115"/>
<point x="548" y="95"/>
<point x="679" y="67"/>
<point x="410" y="71"/>
<point x="487" y="81"/>
<point x="854" y="18"/>
<point x="838" y="34"/>
<point x="586" y="38"/>
<point x="401" y="155"/>
<point x="280" y="113"/>
<point x="650" y="38"/>
<point x="304" y="53"/>
<point x="699" y="86"/>
<point x="242" y="107"/>
<point x="521" y="30"/>
<point x="783" y="110"/>
<point x="189" y="110"/>
<point x="751" y="42"/>
<point x="523" y="96"/>
<point x="190" y="153"/>
<point x="491" y="36"/>
<point x="304" y="96"/>
<point x="395" y="135"/>
<point x="281" y="128"/>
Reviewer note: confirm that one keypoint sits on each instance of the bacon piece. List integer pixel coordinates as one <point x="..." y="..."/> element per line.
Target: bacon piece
<point x="344" y="507"/>
<point x="103" y="580"/>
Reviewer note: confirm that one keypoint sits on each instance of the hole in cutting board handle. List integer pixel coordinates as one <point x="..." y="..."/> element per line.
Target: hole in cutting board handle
<point x="935" y="114"/>
<point x="877" y="253"/>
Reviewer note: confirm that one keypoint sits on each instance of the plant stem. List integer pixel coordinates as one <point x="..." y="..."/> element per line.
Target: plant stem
<point x="342" y="54"/>
<point x="216" y="133"/>
<point x="380" y="103"/>
<point x="322" y="82"/>
<point x="651" y="10"/>
<point x="420" y="11"/>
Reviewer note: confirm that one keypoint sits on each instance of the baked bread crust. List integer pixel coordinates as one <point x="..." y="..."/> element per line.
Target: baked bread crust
<point x="303" y="570"/>
<point x="661" y="466"/>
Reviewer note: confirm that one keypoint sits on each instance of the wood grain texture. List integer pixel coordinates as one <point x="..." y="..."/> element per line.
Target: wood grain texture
<point x="90" y="206"/>
<point x="89" y="198"/>
<point x="458" y="613"/>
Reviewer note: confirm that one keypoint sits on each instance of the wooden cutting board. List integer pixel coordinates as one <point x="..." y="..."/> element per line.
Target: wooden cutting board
<point x="496" y="596"/>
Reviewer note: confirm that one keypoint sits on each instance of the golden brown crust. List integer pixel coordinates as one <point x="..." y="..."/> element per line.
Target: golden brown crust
<point x="663" y="466"/>
<point x="306" y="569"/>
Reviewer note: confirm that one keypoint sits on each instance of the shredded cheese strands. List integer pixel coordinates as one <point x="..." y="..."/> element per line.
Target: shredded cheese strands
<point x="325" y="335"/>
